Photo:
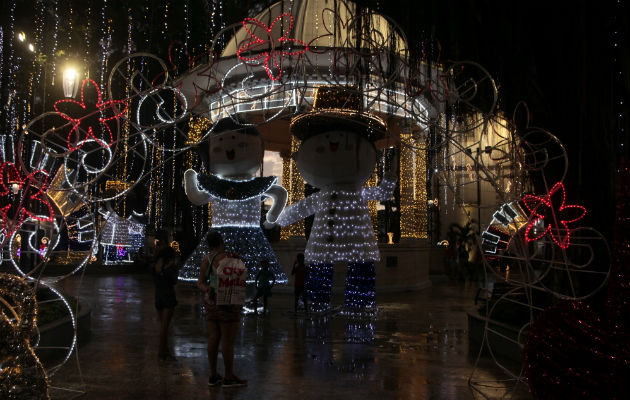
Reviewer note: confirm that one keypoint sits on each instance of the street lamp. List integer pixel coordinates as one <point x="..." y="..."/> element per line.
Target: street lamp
<point x="70" y="82"/>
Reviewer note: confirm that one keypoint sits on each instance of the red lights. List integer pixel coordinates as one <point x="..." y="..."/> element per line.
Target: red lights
<point x="80" y="117"/>
<point x="552" y="210"/>
<point x="29" y="197"/>
<point x="273" y="54"/>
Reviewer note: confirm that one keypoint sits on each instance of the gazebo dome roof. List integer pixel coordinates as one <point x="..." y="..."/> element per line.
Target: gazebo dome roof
<point x="322" y="24"/>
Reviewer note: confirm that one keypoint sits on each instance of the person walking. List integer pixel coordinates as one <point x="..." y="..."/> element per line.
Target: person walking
<point x="165" y="271"/>
<point x="300" y="271"/>
<point x="222" y="319"/>
<point x="265" y="280"/>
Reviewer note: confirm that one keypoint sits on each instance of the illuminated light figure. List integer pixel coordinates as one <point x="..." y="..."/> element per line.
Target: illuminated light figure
<point x="43" y="246"/>
<point x="337" y="155"/>
<point x="556" y="215"/>
<point x="508" y="220"/>
<point x="121" y="239"/>
<point x="236" y="153"/>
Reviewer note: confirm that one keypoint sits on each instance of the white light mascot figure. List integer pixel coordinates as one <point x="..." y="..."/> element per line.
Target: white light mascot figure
<point x="236" y="153"/>
<point x="337" y="155"/>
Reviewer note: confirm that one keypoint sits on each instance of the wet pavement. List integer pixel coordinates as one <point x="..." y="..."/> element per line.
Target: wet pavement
<point x="416" y="348"/>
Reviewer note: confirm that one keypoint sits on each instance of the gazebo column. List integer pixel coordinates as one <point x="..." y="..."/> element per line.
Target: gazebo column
<point x="413" y="188"/>
<point x="293" y="182"/>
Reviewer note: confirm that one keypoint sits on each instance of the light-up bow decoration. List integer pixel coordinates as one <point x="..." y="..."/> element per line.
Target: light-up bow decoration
<point x="90" y="118"/>
<point x="271" y="49"/>
<point x="552" y="211"/>
<point x="22" y="197"/>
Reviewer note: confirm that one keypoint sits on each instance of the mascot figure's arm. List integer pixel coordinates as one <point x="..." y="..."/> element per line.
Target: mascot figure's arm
<point x="299" y="210"/>
<point x="385" y="190"/>
<point x="196" y="196"/>
<point x="279" y="196"/>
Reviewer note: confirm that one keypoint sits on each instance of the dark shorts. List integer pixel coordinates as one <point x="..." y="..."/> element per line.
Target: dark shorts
<point x="165" y="299"/>
<point x="227" y="313"/>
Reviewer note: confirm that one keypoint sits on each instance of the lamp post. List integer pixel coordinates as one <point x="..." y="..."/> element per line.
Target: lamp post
<point x="70" y="82"/>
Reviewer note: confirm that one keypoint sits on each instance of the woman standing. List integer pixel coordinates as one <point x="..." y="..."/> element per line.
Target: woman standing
<point x="165" y="273"/>
<point x="222" y="319"/>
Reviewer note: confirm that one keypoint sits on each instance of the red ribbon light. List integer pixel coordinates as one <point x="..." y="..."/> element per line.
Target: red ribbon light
<point x="30" y="198"/>
<point x="80" y="118"/>
<point x="275" y="53"/>
<point x="555" y="214"/>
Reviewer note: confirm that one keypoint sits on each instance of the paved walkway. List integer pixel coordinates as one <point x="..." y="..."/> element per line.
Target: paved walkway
<point x="416" y="348"/>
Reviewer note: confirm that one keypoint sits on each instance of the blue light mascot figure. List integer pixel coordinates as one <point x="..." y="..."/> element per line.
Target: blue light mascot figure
<point x="337" y="155"/>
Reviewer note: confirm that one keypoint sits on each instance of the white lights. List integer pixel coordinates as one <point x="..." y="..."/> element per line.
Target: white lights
<point x="266" y="96"/>
<point x="342" y="230"/>
<point x="31" y="48"/>
<point x="21" y="36"/>
<point x="121" y="239"/>
<point x="244" y="213"/>
<point x="236" y="206"/>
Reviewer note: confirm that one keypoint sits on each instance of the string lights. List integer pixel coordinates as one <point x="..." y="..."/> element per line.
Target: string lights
<point x="413" y="188"/>
<point x="506" y="222"/>
<point x="23" y="375"/>
<point x="342" y="232"/>
<point x="236" y="215"/>
<point x="79" y="135"/>
<point x="554" y="213"/>
<point x="121" y="239"/>
<point x="22" y="197"/>
<point x="294" y="184"/>
<point x="273" y="52"/>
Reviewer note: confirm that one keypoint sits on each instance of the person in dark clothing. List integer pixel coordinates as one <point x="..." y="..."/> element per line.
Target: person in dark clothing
<point x="265" y="280"/>
<point x="300" y="271"/>
<point x="165" y="272"/>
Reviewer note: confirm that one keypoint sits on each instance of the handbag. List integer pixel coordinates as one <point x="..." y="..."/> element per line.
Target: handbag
<point x="230" y="281"/>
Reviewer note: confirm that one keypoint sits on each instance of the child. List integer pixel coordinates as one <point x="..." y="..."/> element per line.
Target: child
<point x="300" y="271"/>
<point x="265" y="280"/>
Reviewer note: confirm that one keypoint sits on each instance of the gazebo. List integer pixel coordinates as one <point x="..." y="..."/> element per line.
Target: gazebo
<point x="267" y="72"/>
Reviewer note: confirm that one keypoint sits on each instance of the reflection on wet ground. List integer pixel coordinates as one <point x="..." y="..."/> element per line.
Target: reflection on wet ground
<point x="416" y="348"/>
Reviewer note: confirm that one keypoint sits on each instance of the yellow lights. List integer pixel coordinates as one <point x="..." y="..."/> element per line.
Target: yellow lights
<point x="293" y="182"/>
<point x="198" y="127"/>
<point x="373" y="204"/>
<point x="413" y="188"/>
<point x="116" y="186"/>
<point x="390" y="237"/>
<point x="21" y="36"/>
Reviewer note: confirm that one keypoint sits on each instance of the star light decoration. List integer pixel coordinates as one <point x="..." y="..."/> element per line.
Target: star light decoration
<point x="84" y="127"/>
<point x="274" y="55"/>
<point x="554" y="213"/>
<point x="27" y="201"/>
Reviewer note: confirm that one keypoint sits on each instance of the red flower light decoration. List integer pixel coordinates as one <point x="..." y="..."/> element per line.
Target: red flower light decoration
<point x="31" y="193"/>
<point x="273" y="53"/>
<point x="555" y="214"/>
<point x="83" y="118"/>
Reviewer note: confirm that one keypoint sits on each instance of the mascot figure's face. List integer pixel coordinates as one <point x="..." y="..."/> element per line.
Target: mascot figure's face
<point x="235" y="154"/>
<point x="336" y="158"/>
